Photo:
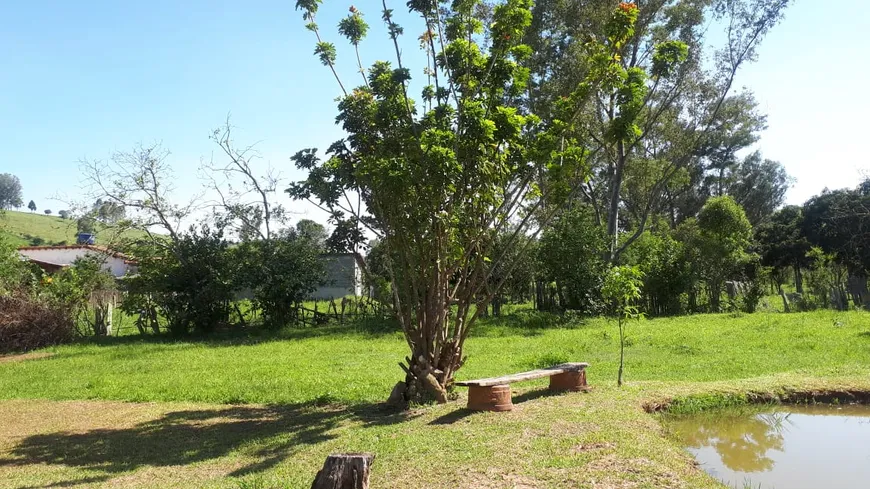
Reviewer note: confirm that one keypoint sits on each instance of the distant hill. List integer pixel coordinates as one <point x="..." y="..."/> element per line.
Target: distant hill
<point x="36" y="229"/>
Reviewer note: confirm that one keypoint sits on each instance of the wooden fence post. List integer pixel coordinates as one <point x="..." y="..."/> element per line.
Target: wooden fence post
<point x="344" y="471"/>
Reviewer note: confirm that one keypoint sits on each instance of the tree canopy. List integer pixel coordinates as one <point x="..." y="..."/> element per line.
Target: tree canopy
<point x="10" y="191"/>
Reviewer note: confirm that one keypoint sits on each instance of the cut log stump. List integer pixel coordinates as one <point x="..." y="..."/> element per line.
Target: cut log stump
<point x="345" y="471"/>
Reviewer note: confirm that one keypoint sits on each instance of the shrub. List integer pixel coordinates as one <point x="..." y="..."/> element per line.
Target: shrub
<point x="86" y="290"/>
<point x="571" y="254"/>
<point x="28" y="324"/>
<point x="190" y="282"/>
<point x="667" y="276"/>
<point x="281" y="273"/>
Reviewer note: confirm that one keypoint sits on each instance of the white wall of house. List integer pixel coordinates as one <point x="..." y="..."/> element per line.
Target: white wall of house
<point x="67" y="255"/>
<point x="343" y="277"/>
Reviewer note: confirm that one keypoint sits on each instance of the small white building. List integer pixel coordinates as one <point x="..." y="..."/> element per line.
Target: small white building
<point x="54" y="258"/>
<point x="343" y="277"/>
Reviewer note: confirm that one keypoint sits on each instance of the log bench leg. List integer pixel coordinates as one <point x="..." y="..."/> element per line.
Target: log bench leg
<point x="569" y="381"/>
<point x="494" y="398"/>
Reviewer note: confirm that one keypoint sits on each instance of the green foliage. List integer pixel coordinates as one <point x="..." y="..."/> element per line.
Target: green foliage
<point x="326" y="52"/>
<point x="722" y="218"/>
<point x="667" y="56"/>
<point x="191" y="281"/>
<point x="353" y="27"/>
<point x="571" y="254"/>
<point x="838" y="221"/>
<point x="755" y="290"/>
<point x="826" y="281"/>
<point x="281" y="273"/>
<point x="311" y="232"/>
<point x="86" y="224"/>
<point x="759" y="187"/>
<point x="107" y="212"/>
<point x="780" y="240"/>
<point x="32" y="206"/>
<point x="622" y="289"/>
<point x="718" y="244"/>
<point x="82" y="287"/>
<point x="441" y="179"/>
<point x="10" y="191"/>
<point x="16" y="276"/>
<point x="667" y="275"/>
<point x="74" y="285"/>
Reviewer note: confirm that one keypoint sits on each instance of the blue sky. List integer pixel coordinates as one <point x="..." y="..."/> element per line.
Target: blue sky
<point x="84" y="79"/>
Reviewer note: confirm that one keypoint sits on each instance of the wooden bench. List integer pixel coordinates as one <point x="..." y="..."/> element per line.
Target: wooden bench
<point x="494" y="394"/>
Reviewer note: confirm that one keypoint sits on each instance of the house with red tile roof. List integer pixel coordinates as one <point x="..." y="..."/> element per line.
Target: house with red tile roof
<point x="54" y="258"/>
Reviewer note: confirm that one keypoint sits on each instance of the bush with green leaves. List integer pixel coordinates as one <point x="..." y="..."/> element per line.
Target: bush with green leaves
<point x="571" y="254"/>
<point x="86" y="290"/>
<point x="281" y="273"/>
<point x="191" y="280"/>
<point x="16" y="276"/>
<point x="667" y="276"/>
<point x="717" y="244"/>
<point x="826" y="281"/>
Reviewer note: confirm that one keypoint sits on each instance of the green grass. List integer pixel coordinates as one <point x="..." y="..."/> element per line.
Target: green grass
<point x="350" y="365"/>
<point x="23" y="228"/>
<point x="303" y="394"/>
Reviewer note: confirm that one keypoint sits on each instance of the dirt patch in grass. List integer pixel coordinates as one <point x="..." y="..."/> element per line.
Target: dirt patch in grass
<point x="25" y="356"/>
<point x="585" y="447"/>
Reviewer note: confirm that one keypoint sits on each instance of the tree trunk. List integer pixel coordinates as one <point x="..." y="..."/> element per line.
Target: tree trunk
<point x="613" y="210"/>
<point x="425" y="382"/>
<point x="621" y="353"/>
<point x="798" y="280"/>
<point x="348" y="471"/>
<point x="496" y="307"/>
<point x="715" y="296"/>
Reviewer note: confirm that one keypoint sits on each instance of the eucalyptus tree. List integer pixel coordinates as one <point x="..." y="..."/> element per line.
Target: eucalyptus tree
<point x="674" y="94"/>
<point x="437" y="181"/>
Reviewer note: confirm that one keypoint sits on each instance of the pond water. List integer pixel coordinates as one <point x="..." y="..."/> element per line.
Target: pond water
<point x="783" y="447"/>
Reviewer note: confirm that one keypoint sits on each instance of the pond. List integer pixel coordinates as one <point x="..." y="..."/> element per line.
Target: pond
<point x="785" y="447"/>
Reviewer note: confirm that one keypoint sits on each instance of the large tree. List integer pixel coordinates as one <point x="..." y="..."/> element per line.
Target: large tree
<point x="679" y="107"/>
<point x="437" y="181"/>
<point x="781" y="242"/>
<point x="10" y="191"/>
<point x="719" y="243"/>
<point x="759" y="186"/>
<point x="838" y="221"/>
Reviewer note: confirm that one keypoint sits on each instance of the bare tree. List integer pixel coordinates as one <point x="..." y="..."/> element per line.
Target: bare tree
<point x="139" y="180"/>
<point x="247" y="207"/>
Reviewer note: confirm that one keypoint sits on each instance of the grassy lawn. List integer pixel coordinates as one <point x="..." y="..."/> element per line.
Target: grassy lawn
<point x="264" y="412"/>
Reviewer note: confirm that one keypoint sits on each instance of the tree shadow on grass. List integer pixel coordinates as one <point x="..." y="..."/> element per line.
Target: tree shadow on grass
<point x="268" y="434"/>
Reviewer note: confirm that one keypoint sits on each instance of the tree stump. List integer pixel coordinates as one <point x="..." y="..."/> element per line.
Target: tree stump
<point x="344" y="471"/>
